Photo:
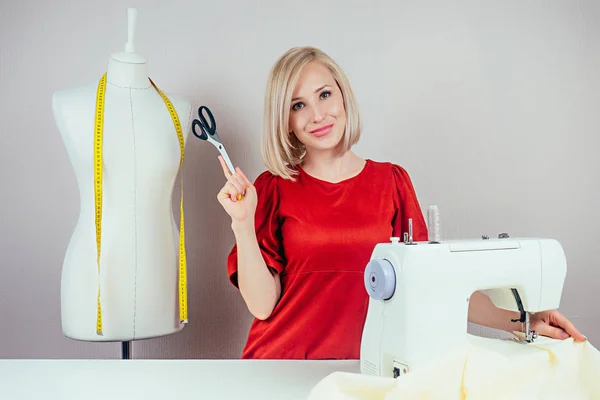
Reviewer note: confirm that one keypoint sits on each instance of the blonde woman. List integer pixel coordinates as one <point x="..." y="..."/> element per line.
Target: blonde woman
<point x="306" y="228"/>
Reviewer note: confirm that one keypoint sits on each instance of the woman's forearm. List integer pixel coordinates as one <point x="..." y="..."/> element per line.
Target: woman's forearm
<point x="482" y="311"/>
<point x="259" y="288"/>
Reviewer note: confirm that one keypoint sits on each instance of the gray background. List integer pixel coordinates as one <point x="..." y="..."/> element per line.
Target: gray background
<point x="491" y="106"/>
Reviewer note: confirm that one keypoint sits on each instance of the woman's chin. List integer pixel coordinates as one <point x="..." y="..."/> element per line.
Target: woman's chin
<point x="328" y="143"/>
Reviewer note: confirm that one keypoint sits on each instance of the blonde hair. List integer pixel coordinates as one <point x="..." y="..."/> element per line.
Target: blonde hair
<point x="281" y="151"/>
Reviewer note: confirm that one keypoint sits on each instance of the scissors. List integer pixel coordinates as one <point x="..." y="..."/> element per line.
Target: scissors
<point x="209" y="133"/>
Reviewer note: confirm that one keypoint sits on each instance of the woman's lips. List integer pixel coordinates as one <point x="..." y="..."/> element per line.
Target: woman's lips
<point x="324" y="130"/>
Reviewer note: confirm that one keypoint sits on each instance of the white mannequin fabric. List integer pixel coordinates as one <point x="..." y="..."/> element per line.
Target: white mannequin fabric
<point x="489" y="369"/>
<point x="140" y="239"/>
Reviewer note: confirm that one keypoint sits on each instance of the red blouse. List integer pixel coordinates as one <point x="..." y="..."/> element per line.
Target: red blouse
<point x="319" y="236"/>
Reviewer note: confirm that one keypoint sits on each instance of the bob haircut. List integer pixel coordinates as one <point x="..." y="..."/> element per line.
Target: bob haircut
<point x="282" y="151"/>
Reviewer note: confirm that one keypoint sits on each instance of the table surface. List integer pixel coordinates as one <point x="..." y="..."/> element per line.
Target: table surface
<point x="165" y="379"/>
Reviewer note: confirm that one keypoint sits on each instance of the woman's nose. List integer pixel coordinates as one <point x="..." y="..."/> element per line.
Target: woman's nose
<point x="317" y="114"/>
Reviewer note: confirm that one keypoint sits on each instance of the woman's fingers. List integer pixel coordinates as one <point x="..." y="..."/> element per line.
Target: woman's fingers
<point x="553" y="332"/>
<point x="237" y="183"/>
<point x="223" y="194"/>
<point x="228" y="191"/>
<point x="567" y="326"/>
<point x="233" y="191"/>
<point x="225" y="167"/>
<point x="246" y="181"/>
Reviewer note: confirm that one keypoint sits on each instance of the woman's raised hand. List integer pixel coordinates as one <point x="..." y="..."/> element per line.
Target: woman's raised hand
<point x="238" y="196"/>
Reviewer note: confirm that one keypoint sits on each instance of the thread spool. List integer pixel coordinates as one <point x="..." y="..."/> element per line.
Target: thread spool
<point x="433" y="222"/>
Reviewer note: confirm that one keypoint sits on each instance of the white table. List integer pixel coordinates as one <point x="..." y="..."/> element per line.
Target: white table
<point x="164" y="379"/>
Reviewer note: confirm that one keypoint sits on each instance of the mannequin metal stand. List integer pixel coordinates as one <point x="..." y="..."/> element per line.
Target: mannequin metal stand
<point x="126" y="350"/>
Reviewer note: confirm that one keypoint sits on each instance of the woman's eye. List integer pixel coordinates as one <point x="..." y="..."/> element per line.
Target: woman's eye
<point x="297" y="106"/>
<point x="325" y="94"/>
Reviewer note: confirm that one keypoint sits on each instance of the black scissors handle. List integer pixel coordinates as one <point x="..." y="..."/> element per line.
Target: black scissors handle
<point x="206" y="130"/>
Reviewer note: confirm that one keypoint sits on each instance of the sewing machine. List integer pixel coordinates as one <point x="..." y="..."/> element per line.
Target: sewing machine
<point x="420" y="291"/>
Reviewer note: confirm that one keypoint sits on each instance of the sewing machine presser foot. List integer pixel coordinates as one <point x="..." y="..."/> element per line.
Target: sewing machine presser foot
<point x="530" y="335"/>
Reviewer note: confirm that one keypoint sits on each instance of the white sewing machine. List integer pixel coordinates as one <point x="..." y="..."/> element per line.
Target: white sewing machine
<point x="420" y="291"/>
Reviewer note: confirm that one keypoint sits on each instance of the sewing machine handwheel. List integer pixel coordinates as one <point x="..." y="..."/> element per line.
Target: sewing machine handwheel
<point x="380" y="279"/>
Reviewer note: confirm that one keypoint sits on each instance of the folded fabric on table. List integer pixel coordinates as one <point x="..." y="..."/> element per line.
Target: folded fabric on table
<point x="487" y="369"/>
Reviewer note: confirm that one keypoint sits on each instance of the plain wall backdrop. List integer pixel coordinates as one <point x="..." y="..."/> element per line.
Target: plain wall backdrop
<point x="492" y="107"/>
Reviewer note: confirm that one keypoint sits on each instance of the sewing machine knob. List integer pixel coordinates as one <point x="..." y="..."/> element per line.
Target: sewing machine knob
<point x="380" y="279"/>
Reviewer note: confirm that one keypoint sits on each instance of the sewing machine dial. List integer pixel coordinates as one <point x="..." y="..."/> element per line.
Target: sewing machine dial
<point x="380" y="279"/>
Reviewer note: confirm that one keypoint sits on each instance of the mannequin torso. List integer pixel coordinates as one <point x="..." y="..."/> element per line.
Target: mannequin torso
<point x="140" y="239"/>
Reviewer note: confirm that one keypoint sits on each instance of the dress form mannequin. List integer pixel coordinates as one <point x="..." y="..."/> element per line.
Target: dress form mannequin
<point x="140" y="239"/>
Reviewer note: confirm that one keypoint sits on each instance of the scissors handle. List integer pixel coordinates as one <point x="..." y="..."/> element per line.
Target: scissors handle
<point x="206" y="131"/>
<point x="212" y="128"/>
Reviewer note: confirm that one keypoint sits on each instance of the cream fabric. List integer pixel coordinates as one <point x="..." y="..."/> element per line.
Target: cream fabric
<point x="489" y="369"/>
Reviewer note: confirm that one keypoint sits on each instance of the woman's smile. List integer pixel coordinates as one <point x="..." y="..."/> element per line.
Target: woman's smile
<point x="322" y="131"/>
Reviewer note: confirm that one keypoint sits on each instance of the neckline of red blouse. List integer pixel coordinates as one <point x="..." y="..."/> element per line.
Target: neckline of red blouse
<point x="343" y="181"/>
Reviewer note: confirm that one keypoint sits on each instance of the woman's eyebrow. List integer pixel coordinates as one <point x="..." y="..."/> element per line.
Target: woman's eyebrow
<point x="316" y="91"/>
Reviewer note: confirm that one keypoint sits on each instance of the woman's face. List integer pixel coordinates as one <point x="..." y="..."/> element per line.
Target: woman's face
<point x="317" y="114"/>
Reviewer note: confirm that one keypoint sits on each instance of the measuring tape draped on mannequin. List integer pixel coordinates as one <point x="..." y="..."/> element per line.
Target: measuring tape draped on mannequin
<point x="183" y="317"/>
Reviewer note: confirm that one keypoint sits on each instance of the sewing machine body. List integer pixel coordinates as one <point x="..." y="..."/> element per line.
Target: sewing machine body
<point x="425" y="315"/>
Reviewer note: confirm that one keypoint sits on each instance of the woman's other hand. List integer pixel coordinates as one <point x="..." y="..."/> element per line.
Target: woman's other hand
<point x="555" y="325"/>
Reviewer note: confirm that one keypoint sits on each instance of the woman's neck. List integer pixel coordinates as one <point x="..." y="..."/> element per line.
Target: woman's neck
<point x="333" y="168"/>
<point x="128" y="75"/>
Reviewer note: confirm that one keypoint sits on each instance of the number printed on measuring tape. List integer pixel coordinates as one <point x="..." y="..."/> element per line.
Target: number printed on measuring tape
<point x="98" y="136"/>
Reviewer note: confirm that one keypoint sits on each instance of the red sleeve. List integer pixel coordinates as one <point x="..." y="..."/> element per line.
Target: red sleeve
<point x="407" y="206"/>
<point x="267" y="227"/>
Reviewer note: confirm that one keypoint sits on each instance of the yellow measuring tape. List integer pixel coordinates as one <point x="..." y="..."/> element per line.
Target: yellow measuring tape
<point x="99" y="126"/>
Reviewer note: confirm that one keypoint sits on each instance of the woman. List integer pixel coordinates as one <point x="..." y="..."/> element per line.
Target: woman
<point x="306" y="228"/>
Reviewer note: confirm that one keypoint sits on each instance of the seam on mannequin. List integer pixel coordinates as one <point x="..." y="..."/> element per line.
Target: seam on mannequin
<point x="135" y="237"/>
<point x="130" y="88"/>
